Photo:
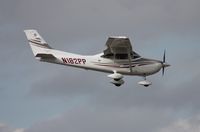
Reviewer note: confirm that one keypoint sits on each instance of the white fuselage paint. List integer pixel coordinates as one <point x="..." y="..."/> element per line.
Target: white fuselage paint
<point x="98" y="63"/>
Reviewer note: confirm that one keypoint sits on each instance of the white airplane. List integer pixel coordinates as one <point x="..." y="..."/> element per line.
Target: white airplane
<point x="118" y="59"/>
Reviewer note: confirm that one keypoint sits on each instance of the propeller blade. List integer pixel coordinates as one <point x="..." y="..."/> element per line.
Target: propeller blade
<point x="164" y="56"/>
<point x="163" y="71"/>
<point x="163" y="63"/>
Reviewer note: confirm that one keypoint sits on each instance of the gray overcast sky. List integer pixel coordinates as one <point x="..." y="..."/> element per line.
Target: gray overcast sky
<point x="41" y="97"/>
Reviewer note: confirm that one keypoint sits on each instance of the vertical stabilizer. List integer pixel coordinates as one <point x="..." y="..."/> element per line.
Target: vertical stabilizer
<point x="37" y="43"/>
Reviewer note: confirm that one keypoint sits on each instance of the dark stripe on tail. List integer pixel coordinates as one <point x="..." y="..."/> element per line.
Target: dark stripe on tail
<point x="37" y="43"/>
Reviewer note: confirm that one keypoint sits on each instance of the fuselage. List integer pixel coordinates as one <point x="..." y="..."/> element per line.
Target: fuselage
<point x="140" y="66"/>
<point x="118" y="58"/>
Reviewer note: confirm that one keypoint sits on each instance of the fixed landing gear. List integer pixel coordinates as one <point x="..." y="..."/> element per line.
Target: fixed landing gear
<point x="145" y="82"/>
<point x="117" y="82"/>
<point x="116" y="79"/>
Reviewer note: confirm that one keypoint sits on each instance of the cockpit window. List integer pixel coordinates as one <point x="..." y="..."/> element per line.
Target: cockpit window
<point x="134" y="55"/>
<point x="121" y="56"/>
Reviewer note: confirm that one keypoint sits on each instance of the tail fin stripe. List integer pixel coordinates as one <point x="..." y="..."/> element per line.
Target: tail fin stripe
<point x="37" y="40"/>
<point x="40" y="45"/>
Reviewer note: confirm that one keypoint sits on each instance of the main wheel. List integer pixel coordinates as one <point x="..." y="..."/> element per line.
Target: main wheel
<point x="118" y="85"/>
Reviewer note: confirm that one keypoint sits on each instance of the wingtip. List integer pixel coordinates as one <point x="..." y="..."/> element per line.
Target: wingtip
<point x="119" y="37"/>
<point x="28" y="30"/>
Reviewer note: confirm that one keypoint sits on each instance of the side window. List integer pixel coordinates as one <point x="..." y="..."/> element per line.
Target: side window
<point x="135" y="55"/>
<point x="121" y="56"/>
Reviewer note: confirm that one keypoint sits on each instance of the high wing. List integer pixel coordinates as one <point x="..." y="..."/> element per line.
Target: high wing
<point x="119" y="48"/>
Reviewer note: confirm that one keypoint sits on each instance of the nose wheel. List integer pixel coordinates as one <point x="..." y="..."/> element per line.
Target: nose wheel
<point x="144" y="83"/>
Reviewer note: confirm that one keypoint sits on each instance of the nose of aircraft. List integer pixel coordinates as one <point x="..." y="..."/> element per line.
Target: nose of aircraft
<point x="166" y="64"/>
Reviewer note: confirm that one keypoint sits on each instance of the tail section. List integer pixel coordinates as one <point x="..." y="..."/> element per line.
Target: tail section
<point x="36" y="42"/>
<point x="38" y="45"/>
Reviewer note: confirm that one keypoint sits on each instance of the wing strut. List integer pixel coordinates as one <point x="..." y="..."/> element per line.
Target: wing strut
<point x="129" y="58"/>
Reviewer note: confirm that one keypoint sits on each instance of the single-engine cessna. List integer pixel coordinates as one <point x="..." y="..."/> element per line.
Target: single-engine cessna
<point x="118" y="59"/>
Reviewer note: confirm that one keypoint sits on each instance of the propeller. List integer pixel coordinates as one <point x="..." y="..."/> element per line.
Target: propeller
<point x="164" y="64"/>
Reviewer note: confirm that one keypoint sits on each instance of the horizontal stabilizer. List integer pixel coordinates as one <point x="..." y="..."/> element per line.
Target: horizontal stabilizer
<point x="45" y="56"/>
